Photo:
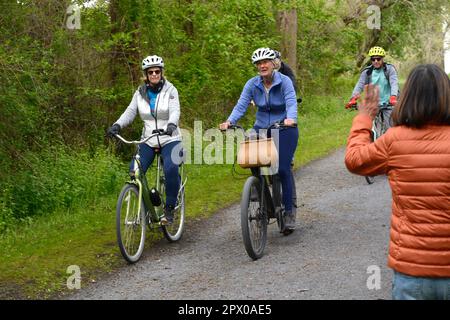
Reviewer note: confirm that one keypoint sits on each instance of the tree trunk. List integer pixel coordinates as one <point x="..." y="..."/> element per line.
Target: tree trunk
<point x="288" y="27"/>
<point x="125" y="56"/>
<point x="188" y="26"/>
<point x="370" y="41"/>
<point x="373" y="35"/>
<point x="114" y="16"/>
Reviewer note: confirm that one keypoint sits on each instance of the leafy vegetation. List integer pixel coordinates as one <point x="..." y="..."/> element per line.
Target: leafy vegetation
<point x="35" y="256"/>
<point x="60" y="88"/>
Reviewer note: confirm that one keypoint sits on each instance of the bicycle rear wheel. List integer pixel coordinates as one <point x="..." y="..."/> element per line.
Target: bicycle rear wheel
<point x="253" y="219"/>
<point x="276" y="194"/>
<point x="174" y="231"/>
<point x="294" y="193"/>
<point x="130" y="224"/>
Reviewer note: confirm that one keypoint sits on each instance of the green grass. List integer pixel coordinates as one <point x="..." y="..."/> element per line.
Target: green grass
<point x="35" y="256"/>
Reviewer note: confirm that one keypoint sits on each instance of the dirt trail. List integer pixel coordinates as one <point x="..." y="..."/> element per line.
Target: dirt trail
<point x="342" y="229"/>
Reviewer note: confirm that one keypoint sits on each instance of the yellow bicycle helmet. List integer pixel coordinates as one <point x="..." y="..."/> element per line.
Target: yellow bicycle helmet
<point x="377" y="51"/>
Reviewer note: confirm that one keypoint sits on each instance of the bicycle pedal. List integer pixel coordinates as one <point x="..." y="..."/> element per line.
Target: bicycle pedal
<point x="165" y="222"/>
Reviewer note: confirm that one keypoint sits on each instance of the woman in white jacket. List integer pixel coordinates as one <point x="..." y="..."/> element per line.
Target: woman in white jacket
<point x="158" y="105"/>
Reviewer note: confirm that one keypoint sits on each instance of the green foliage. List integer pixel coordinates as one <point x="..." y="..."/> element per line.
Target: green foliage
<point x="61" y="87"/>
<point x="58" y="178"/>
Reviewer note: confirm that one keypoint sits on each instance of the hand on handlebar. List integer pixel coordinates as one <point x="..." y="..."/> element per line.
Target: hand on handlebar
<point x="156" y="132"/>
<point x="113" y="130"/>
<point x="171" y="127"/>
<point x="283" y="124"/>
<point x="289" y="122"/>
<point x="353" y="102"/>
<point x="225" y="125"/>
<point x="393" y="101"/>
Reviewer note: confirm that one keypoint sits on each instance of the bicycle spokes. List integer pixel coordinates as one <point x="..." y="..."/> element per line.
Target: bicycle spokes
<point x="174" y="231"/>
<point x="256" y="224"/>
<point x="130" y="224"/>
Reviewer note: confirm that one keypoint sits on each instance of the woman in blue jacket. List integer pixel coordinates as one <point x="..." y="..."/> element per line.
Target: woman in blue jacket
<point x="274" y="95"/>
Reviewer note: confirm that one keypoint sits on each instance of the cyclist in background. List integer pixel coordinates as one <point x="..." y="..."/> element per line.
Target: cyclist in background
<point x="384" y="76"/>
<point x="157" y="103"/>
<point x="285" y="69"/>
<point x="274" y="96"/>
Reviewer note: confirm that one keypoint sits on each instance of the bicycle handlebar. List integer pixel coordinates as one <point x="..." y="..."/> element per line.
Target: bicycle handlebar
<point x="232" y="127"/>
<point x="276" y="125"/>
<point x="160" y="132"/>
<point x="280" y="124"/>
<point x="383" y="106"/>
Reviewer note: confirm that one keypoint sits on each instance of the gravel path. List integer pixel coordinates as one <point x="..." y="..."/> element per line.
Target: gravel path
<point x="342" y="229"/>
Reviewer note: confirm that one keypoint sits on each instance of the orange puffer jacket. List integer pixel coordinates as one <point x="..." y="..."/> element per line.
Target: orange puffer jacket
<point x="417" y="162"/>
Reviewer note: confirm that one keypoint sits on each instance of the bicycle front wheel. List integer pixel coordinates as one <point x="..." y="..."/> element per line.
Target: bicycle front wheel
<point x="253" y="219"/>
<point x="130" y="223"/>
<point x="174" y="231"/>
<point x="370" y="180"/>
<point x="375" y="134"/>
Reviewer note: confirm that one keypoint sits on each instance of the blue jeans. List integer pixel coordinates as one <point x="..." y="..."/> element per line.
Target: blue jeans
<point x="406" y="287"/>
<point x="172" y="177"/>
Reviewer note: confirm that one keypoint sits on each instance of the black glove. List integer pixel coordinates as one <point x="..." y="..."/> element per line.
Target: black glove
<point x="113" y="130"/>
<point x="171" y="128"/>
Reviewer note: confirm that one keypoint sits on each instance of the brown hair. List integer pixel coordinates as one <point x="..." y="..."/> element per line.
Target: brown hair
<point x="425" y="98"/>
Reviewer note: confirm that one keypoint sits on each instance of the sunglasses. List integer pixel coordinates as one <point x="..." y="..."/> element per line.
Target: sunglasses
<point x="376" y="59"/>
<point x="149" y="72"/>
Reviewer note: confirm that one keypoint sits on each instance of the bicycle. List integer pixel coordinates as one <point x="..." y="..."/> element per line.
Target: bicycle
<point x="261" y="201"/>
<point x="378" y="128"/>
<point x="139" y="206"/>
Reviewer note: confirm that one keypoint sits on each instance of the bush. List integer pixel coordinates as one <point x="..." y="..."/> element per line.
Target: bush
<point x="57" y="178"/>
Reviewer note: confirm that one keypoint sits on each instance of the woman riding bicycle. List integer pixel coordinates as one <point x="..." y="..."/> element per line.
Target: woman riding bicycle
<point x="157" y="103"/>
<point x="274" y="96"/>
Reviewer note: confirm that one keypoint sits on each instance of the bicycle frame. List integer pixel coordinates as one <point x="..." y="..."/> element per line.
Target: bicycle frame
<point x="265" y="177"/>
<point x="140" y="180"/>
<point x="378" y="128"/>
<point x="267" y="196"/>
<point x="274" y="197"/>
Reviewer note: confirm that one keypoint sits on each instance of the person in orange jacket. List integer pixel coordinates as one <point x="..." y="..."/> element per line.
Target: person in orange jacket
<point x="415" y="154"/>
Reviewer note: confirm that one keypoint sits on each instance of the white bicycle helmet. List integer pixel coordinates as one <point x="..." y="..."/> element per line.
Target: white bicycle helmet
<point x="152" y="61"/>
<point x="277" y="54"/>
<point x="263" y="54"/>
